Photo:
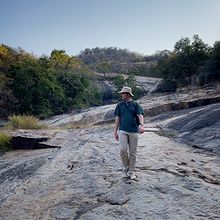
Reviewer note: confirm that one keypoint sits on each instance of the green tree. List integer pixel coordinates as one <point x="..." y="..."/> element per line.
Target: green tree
<point x="119" y="81"/>
<point x="184" y="63"/>
<point x="216" y="50"/>
<point x="131" y="82"/>
<point x="210" y="72"/>
<point x="36" y="90"/>
<point x="60" y="60"/>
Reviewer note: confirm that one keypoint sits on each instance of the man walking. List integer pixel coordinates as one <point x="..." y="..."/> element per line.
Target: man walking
<point x="129" y="122"/>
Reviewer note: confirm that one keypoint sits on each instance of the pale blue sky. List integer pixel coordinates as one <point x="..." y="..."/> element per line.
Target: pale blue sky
<point x="143" y="26"/>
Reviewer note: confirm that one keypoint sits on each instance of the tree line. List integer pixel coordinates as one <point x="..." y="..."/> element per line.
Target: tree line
<point x="44" y="86"/>
<point x="190" y="63"/>
<point x="59" y="83"/>
<point x="116" y="60"/>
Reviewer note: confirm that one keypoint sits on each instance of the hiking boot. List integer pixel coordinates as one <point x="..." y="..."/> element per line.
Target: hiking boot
<point x="126" y="172"/>
<point x="132" y="176"/>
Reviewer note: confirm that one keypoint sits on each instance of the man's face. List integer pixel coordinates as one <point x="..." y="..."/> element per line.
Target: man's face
<point x="125" y="96"/>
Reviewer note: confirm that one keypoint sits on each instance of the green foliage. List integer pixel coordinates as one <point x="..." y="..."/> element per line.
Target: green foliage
<point x="7" y="99"/>
<point x="190" y="63"/>
<point x="56" y="84"/>
<point x="24" y="122"/>
<point x="216" y="50"/>
<point x="119" y="81"/>
<point x="131" y="82"/>
<point x="7" y="56"/>
<point x="108" y="54"/>
<point x="60" y="60"/>
<point x="44" y="86"/>
<point x="80" y="91"/>
<point x="36" y="89"/>
<point x="5" y="142"/>
<point x="212" y="68"/>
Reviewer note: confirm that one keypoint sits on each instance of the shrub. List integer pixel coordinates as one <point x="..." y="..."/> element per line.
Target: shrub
<point x="5" y="142"/>
<point x="24" y="122"/>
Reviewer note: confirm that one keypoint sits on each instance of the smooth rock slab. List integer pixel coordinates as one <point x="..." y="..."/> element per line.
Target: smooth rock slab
<point x="84" y="180"/>
<point x="114" y="198"/>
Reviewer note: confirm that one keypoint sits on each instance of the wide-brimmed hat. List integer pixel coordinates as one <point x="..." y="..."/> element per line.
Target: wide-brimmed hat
<point x="126" y="89"/>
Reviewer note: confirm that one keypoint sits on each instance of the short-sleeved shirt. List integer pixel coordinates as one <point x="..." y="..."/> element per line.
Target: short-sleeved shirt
<point x="126" y="118"/>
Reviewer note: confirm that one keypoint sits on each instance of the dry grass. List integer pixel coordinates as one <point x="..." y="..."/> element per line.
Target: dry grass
<point x="24" y="122"/>
<point x="166" y="133"/>
<point x="217" y="88"/>
<point x="5" y="142"/>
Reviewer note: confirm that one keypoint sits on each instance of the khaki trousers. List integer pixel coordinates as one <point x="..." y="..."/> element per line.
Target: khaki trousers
<point x="128" y="149"/>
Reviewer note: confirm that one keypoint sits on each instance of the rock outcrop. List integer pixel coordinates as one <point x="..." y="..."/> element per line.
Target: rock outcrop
<point x="154" y="104"/>
<point x="146" y="84"/>
<point x="198" y="127"/>
<point x="83" y="179"/>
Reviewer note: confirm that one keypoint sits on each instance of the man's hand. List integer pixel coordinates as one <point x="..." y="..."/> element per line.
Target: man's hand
<point x="141" y="129"/>
<point x="116" y="127"/>
<point x="116" y="135"/>
<point x="141" y="126"/>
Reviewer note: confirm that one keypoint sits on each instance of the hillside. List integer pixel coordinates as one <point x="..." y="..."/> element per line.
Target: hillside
<point x="116" y="60"/>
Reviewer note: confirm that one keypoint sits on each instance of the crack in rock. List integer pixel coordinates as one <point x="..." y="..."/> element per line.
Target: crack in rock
<point x="114" y="198"/>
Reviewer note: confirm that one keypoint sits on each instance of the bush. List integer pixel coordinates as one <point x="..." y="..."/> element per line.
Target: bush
<point x="5" y="142"/>
<point x="24" y="122"/>
<point x="119" y="81"/>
